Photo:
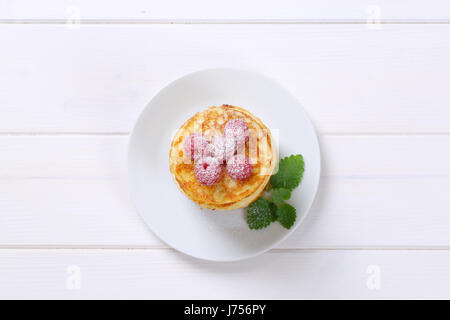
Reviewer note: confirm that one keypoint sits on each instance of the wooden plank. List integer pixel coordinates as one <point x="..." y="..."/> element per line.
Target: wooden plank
<point x="347" y="213"/>
<point x="350" y="79"/>
<point x="75" y="156"/>
<point x="63" y="156"/>
<point x="232" y="10"/>
<point x="163" y="274"/>
<point x="72" y="191"/>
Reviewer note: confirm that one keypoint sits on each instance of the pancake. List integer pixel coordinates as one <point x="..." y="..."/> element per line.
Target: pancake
<point x="226" y="193"/>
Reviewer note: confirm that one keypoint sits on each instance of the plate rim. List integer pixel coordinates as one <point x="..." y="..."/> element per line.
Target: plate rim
<point x="149" y="107"/>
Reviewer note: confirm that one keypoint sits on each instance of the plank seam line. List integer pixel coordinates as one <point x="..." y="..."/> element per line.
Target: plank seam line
<point x="225" y="21"/>
<point x="275" y="250"/>
<point x="437" y="176"/>
<point x="126" y="133"/>
<point x="61" y="133"/>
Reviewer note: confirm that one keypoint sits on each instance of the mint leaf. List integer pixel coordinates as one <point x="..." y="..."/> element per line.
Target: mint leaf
<point x="281" y="194"/>
<point x="263" y="212"/>
<point x="286" y="215"/>
<point x="290" y="173"/>
<point x="273" y="210"/>
<point x="259" y="214"/>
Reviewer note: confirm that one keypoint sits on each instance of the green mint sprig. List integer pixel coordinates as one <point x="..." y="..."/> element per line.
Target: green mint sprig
<point x="260" y="214"/>
<point x="264" y="211"/>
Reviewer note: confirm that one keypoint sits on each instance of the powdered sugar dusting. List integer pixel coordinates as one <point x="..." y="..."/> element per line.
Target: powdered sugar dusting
<point x="239" y="167"/>
<point x="238" y="130"/>
<point x="221" y="148"/>
<point x="195" y="146"/>
<point x="207" y="170"/>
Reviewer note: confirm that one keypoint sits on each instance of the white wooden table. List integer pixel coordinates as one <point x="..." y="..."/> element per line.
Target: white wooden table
<point x="378" y="93"/>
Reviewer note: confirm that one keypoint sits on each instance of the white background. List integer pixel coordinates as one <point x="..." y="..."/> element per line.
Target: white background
<point x="379" y="96"/>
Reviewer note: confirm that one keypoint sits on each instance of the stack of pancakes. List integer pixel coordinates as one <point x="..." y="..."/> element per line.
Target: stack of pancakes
<point x="226" y="193"/>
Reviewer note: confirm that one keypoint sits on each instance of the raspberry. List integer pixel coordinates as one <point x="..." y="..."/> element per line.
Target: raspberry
<point x="238" y="129"/>
<point x="239" y="167"/>
<point x="221" y="148"/>
<point x="207" y="170"/>
<point x="195" y="145"/>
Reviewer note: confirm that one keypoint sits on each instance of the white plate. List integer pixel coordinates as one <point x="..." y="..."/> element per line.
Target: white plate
<point x="205" y="234"/>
